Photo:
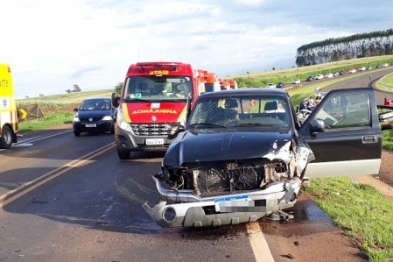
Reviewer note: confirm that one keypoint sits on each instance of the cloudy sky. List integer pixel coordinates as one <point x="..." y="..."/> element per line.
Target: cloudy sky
<point x="52" y="45"/>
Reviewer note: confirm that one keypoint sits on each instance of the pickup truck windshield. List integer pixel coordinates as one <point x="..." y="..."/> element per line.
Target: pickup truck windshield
<point x="241" y="112"/>
<point x="158" y="88"/>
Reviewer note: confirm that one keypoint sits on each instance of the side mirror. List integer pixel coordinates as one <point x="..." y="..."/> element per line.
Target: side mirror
<point x="76" y="109"/>
<point x="175" y="131"/>
<point x="115" y="99"/>
<point x="317" y="125"/>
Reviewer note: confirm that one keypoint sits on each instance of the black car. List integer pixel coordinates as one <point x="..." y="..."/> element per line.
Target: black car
<point x="244" y="155"/>
<point x="310" y="79"/>
<point x="94" y="115"/>
<point x="280" y="85"/>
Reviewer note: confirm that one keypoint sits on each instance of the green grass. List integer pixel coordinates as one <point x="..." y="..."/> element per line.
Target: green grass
<point x="385" y="84"/>
<point x="51" y="119"/>
<point x="360" y="210"/>
<point x="303" y="72"/>
<point x="63" y="100"/>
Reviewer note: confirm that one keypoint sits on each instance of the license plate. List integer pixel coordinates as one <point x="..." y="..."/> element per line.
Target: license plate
<point x="233" y="198"/>
<point x="241" y="203"/>
<point x="91" y="125"/>
<point x="154" y="141"/>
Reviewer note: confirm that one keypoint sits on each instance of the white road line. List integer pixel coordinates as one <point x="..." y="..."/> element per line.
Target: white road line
<point x="31" y="140"/>
<point x="20" y="191"/>
<point x="258" y="243"/>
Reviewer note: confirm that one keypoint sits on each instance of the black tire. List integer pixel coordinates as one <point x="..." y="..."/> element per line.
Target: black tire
<point x="6" y="137"/>
<point x="123" y="153"/>
<point x="77" y="133"/>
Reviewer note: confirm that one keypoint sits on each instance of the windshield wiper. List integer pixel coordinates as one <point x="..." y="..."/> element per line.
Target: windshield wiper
<point x="206" y="125"/>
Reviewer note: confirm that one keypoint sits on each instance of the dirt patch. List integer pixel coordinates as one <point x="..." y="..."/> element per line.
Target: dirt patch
<point x="386" y="171"/>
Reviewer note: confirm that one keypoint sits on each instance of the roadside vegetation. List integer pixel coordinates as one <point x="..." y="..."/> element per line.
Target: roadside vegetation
<point x="360" y="210"/>
<point x="250" y="79"/>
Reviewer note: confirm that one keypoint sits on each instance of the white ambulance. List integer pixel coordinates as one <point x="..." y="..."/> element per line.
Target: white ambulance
<point x="8" y="112"/>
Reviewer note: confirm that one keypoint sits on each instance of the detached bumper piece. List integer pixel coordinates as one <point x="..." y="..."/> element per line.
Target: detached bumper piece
<point x="229" y="209"/>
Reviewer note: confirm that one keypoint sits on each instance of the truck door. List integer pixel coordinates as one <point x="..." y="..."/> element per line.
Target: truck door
<point x="343" y="132"/>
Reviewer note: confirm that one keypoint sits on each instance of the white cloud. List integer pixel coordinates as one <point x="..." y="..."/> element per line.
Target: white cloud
<point x="52" y="45"/>
<point x="249" y="2"/>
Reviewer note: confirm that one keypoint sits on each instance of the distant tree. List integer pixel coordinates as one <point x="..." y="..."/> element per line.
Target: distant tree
<point x="118" y="88"/>
<point x="68" y="91"/>
<point x="76" y="88"/>
<point x="375" y="43"/>
<point x="274" y="68"/>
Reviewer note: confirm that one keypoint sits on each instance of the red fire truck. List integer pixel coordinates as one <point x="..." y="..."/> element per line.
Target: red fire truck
<point x="224" y="84"/>
<point x="152" y="103"/>
<point x="232" y="83"/>
<point x="211" y="82"/>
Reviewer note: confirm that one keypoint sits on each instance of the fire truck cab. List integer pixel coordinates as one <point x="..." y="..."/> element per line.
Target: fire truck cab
<point x="152" y="103"/>
<point x="224" y="84"/>
<point x="232" y="83"/>
<point x="211" y="82"/>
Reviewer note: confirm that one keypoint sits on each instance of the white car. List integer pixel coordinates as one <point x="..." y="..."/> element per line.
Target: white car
<point x="271" y="85"/>
<point x="363" y="68"/>
<point x="296" y="81"/>
<point x="352" y="71"/>
<point x="319" y="77"/>
<point x="330" y="75"/>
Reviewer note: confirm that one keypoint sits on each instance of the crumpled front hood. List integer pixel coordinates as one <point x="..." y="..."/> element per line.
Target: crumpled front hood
<point x="191" y="147"/>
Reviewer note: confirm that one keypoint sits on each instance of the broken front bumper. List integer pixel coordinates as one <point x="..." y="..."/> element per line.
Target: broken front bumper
<point x="190" y="210"/>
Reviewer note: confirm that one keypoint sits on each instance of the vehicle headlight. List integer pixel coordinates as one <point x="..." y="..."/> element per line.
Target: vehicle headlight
<point x="76" y="118"/>
<point x="107" y="118"/>
<point x="121" y="122"/>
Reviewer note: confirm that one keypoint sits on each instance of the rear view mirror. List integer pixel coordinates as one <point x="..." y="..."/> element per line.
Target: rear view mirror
<point x="317" y="125"/>
<point x="115" y="99"/>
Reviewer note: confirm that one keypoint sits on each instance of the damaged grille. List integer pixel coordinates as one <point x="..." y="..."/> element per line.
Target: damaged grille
<point x="153" y="129"/>
<point x="227" y="177"/>
<point x="243" y="178"/>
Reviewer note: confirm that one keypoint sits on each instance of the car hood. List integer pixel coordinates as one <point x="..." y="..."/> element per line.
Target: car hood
<point x="94" y="113"/>
<point x="192" y="147"/>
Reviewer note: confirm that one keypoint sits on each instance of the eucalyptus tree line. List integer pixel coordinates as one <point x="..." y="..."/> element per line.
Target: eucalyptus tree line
<point x="355" y="46"/>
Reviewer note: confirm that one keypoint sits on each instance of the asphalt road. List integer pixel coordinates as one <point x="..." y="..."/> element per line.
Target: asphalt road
<point x="362" y="79"/>
<point x="65" y="198"/>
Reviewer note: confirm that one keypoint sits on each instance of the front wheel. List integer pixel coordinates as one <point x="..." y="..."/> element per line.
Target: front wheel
<point x="6" y="138"/>
<point x="77" y="133"/>
<point x="123" y="153"/>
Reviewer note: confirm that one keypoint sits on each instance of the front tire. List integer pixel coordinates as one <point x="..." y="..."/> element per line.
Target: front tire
<point x="77" y="133"/>
<point x="6" y="137"/>
<point x="123" y="153"/>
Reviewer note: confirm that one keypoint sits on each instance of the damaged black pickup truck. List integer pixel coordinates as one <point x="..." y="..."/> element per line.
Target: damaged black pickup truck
<point x="244" y="155"/>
